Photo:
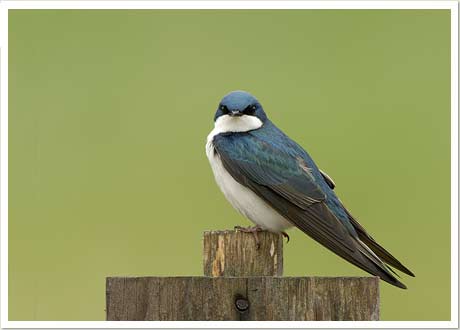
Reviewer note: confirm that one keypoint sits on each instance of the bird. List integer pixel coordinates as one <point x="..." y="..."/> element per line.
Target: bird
<point x="273" y="181"/>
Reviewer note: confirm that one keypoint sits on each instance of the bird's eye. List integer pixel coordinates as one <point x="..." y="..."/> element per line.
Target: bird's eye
<point x="224" y="109"/>
<point x="250" y="109"/>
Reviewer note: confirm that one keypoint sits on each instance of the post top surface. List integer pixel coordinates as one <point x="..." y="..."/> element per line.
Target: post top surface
<point x="234" y="231"/>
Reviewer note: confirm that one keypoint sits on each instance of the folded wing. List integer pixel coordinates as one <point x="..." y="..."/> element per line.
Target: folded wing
<point x="284" y="180"/>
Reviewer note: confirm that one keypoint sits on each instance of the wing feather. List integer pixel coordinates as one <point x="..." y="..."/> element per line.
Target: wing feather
<point x="285" y="183"/>
<point x="379" y="250"/>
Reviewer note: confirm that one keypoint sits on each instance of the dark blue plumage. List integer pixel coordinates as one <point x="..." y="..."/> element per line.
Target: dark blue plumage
<point x="273" y="158"/>
<point x="260" y="157"/>
<point x="240" y="101"/>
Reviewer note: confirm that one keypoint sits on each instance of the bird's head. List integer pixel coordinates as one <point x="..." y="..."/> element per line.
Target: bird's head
<point x="239" y="111"/>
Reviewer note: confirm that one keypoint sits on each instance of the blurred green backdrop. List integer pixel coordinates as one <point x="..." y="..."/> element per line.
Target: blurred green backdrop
<point x="108" y="115"/>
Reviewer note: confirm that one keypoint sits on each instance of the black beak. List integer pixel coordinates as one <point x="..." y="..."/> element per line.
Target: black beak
<point x="235" y="113"/>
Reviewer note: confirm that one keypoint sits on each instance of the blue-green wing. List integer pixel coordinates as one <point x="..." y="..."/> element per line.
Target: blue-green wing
<point x="282" y="177"/>
<point x="279" y="172"/>
<point x="272" y="167"/>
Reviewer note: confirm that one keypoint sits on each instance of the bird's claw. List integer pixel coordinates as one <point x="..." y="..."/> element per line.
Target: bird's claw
<point x="285" y="235"/>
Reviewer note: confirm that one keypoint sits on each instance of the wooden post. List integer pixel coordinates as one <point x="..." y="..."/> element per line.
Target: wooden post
<point x="233" y="288"/>
<point x="234" y="253"/>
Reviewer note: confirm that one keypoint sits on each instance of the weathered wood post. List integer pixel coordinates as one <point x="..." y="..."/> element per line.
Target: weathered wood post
<point x="242" y="283"/>
<point x="233" y="253"/>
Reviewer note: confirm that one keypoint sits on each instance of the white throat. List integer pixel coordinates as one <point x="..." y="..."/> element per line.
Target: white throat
<point x="227" y="123"/>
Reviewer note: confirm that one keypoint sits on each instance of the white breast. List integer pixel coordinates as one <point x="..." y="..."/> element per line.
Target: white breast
<point x="243" y="199"/>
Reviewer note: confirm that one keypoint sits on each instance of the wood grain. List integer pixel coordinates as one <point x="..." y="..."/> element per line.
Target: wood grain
<point x="234" y="253"/>
<point x="243" y="298"/>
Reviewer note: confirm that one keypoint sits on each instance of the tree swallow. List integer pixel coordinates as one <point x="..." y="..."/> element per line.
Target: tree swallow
<point x="272" y="181"/>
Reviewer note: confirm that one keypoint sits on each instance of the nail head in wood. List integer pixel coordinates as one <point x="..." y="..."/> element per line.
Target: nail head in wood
<point x="242" y="304"/>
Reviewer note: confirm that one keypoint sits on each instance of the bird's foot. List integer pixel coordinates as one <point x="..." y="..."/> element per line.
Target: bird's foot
<point x="285" y="235"/>
<point x="254" y="230"/>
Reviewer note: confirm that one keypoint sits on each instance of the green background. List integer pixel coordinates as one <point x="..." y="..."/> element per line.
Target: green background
<point x="108" y="116"/>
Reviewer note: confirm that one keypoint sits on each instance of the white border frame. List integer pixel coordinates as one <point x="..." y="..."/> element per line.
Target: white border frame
<point x="6" y="5"/>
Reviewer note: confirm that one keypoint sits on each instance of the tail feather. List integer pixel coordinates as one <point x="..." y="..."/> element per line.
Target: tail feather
<point x="380" y="269"/>
<point x="383" y="254"/>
